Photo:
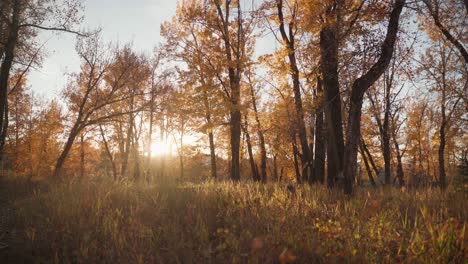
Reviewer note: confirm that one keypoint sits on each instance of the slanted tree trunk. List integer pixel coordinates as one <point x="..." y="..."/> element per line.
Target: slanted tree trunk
<point x="263" y="157"/>
<point x="294" y="71"/>
<point x="366" y="164"/>
<point x="369" y="157"/>
<point x="329" y="67"/>
<point x="358" y="89"/>
<point x="253" y="166"/>
<point x="68" y="145"/>
<point x="109" y="153"/>
<point x="433" y="7"/>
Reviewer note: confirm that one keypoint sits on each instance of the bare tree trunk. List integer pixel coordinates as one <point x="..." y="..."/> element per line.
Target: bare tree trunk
<point x="253" y="166"/>
<point x="275" y="167"/>
<point x="82" y="156"/>
<point x="212" y="155"/>
<point x="149" y="172"/>
<point x="109" y="153"/>
<point x="386" y="129"/>
<point x="68" y="145"/>
<point x="294" y="71"/>
<point x="442" y="176"/>
<point x="369" y="157"/>
<point x="320" y="140"/>
<point x="366" y="164"/>
<point x="296" y="162"/>
<point x="9" y="54"/>
<point x="263" y="157"/>
<point x="329" y="65"/>
<point x="128" y="141"/>
<point x="400" y="173"/>
<point x="434" y="12"/>
<point x="358" y="89"/>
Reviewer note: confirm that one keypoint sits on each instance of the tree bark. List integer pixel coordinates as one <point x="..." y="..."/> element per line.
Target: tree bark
<point x="400" y="173"/>
<point x="358" y="89"/>
<point x="442" y="176"/>
<point x="9" y="54"/>
<point x="320" y="140"/>
<point x="109" y="153"/>
<point x="234" y="75"/>
<point x="294" y="72"/>
<point x="366" y="164"/>
<point x="434" y="12"/>
<point x="82" y="156"/>
<point x="253" y="166"/>
<point x="68" y="145"/>
<point x="329" y="67"/>
<point x="128" y="140"/>
<point x="212" y="155"/>
<point x="263" y="157"/>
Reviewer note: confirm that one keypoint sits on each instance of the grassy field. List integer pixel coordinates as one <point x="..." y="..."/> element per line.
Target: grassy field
<point x="98" y="221"/>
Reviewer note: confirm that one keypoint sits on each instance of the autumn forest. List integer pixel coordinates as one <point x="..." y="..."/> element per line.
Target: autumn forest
<point x="268" y="131"/>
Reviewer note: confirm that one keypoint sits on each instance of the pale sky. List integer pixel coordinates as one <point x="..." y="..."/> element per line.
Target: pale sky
<point x="123" y="21"/>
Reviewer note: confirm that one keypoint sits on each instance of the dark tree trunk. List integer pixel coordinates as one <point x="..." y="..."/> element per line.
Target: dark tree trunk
<point x="149" y="172"/>
<point x="366" y="164"/>
<point x="358" y="89"/>
<point x="235" y="129"/>
<point x="68" y="145"/>
<point x="442" y="176"/>
<point x="212" y="155"/>
<point x="294" y="71"/>
<point x="400" y="173"/>
<point x="329" y="66"/>
<point x="128" y="141"/>
<point x="434" y="12"/>
<point x="386" y="131"/>
<point x="253" y="166"/>
<point x="296" y="162"/>
<point x="109" y="153"/>
<point x="320" y="140"/>
<point x="263" y="157"/>
<point x="82" y="156"/>
<point x="9" y="54"/>
<point x="369" y="157"/>
<point x="234" y="74"/>
<point x="275" y="167"/>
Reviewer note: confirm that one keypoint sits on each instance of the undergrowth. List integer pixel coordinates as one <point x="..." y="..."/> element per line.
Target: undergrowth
<point x="95" y="221"/>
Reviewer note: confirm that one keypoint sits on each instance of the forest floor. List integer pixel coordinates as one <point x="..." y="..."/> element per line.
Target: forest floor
<point x="99" y="221"/>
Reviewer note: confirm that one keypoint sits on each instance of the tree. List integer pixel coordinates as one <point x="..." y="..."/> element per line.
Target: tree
<point x="89" y="95"/>
<point x="289" y="40"/>
<point x="20" y="22"/>
<point x="434" y="8"/>
<point x="358" y="89"/>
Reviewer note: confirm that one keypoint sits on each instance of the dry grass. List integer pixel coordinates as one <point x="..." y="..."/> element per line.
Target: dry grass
<point x="101" y="221"/>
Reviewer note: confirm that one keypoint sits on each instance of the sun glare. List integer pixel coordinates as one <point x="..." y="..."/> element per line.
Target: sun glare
<point x="160" y="148"/>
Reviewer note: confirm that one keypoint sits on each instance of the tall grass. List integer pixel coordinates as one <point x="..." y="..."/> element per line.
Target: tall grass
<point x="220" y="222"/>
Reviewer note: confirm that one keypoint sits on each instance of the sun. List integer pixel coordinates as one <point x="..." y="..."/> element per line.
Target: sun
<point x="159" y="148"/>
